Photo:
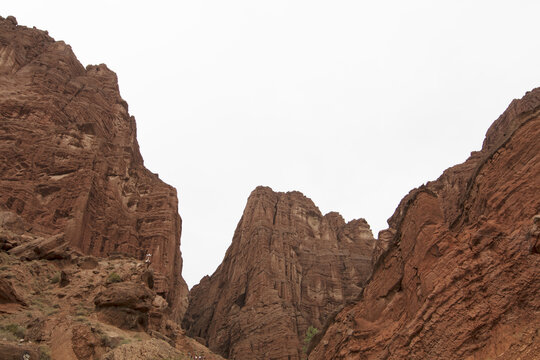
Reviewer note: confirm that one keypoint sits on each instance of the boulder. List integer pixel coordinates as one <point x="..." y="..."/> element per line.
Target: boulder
<point x="8" y="294"/>
<point x="131" y="295"/>
<point x="125" y="305"/>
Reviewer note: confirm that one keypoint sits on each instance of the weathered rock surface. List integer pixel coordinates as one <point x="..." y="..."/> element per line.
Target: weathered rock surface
<point x="89" y="318"/>
<point x="10" y="351"/>
<point x="459" y="278"/>
<point x="156" y="349"/>
<point x="71" y="175"/>
<point x="288" y="268"/>
<point x="132" y="295"/>
<point x="125" y="304"/>
<point x="150" y="349"/>
<point x="8" y="295"/>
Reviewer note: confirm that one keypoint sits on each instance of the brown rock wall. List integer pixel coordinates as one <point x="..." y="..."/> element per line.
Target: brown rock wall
<point x="459" y="279"/>
<point x="70" y="161"/>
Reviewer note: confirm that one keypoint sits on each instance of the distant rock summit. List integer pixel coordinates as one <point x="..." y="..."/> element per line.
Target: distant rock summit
<point x="460" y="277"/>
<point x="288" y="268"/>
<point x="71" y="173"/>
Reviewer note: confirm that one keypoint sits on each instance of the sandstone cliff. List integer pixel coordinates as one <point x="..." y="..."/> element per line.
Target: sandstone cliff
<point x="70" y="167"/>
<point x="288" y="268"/>
<point x="460" y="278"/>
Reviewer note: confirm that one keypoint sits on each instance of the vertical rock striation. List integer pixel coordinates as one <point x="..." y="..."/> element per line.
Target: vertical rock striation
<point x="459" y="279"/>
<point x="70" y="164"/>
<point x="288" y="268"/>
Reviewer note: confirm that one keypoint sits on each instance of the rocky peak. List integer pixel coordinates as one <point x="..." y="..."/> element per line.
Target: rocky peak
<point x="457" y="278"/>
<point x="511" y="119"/>
<point x="288" y="268"/>
<point x="335" y="220"/>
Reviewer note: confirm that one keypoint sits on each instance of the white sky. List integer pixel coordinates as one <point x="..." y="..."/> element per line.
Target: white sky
<point x="354" y="103"/>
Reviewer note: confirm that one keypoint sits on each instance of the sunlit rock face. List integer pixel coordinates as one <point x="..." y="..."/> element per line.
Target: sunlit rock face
<point x="459" y="279"/>
<point x="70" y="164"/>
<point x="288" y="268"/>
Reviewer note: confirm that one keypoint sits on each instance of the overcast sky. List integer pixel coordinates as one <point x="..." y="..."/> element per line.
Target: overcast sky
<point x="353" y="103"/>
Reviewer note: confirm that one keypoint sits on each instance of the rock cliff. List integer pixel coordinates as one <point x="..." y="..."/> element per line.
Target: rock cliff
<point x="288" y="268"/>
<point x="459" y="278"/>
<point x="70" y="167"/>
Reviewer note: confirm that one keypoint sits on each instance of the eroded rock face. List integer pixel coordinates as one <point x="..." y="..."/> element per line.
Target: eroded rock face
<point x="288" y="268"/>
<point x="16" y="352"/>
<point x="70" y="166"/>
<point x="459" y="279"/>
<point x="150" y="349"/>
<point x="125" y="305"/>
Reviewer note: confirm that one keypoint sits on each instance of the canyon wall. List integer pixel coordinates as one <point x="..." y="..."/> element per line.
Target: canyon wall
<point x="459" y="279"/>
<point x="70" y="166"/>
<point x="288" y="268"/>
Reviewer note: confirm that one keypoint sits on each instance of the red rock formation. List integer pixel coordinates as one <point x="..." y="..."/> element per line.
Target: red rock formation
<point x="288" y="267"/>
<point x="460" y="278"/>
<point x="70" y="165"/>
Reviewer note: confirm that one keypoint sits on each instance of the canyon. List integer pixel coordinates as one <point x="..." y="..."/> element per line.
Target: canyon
<point x="455" y="275"/>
